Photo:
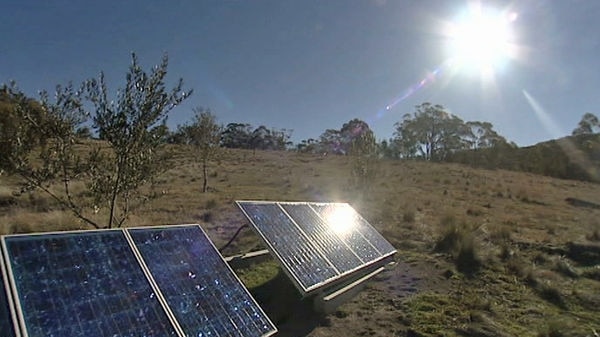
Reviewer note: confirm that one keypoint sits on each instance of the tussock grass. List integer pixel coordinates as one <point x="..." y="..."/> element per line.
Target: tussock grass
<point x="24" y="221"/>
<point x="458" y="240"/>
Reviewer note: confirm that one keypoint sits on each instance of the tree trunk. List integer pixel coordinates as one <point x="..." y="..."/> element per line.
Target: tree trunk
<point x="205" y="175"/>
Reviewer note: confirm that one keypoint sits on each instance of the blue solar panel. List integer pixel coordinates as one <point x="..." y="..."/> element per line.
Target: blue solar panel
<point x="317" y="243"/>
<point x="204" y="295"/>
<point x="83" y="284"/>
<point x="299" y="256"/>
<point x="168" y="281"/>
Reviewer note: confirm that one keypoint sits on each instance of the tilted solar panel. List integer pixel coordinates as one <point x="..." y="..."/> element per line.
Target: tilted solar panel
<point x="166" y="281"/>
<point x="83" y="284"/>
<point x="317" y="243"/>
<point x="206" y="298"/>
<point x="288" y="242"/>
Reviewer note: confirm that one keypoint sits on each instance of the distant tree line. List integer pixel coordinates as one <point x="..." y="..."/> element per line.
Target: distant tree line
<point x="430" y="133"/>
<point x="242" y="136"/>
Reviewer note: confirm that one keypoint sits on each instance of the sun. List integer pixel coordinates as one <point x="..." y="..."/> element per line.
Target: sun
<point x="481" y="39"/>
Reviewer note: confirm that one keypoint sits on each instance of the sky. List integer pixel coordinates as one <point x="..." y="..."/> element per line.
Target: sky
<point x="310" y="65"/>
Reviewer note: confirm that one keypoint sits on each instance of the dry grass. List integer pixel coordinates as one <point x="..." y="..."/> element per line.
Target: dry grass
<point x="509" y="232"/>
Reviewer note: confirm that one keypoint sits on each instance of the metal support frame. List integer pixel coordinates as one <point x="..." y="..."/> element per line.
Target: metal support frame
<point x="329" y="299"/>
<point x="247" y="259"/>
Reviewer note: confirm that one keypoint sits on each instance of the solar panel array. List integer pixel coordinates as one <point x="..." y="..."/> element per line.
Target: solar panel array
<point x="167" y="281"/>
<point x="317" y="243"/>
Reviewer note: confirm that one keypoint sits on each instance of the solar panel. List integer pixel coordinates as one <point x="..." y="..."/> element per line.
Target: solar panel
<point x="317" y="243"/>
<point x="287" y="242"/>
<point x="206" y="298"/>
<point x="168" y="281"/>
<point x="83" y="284"/>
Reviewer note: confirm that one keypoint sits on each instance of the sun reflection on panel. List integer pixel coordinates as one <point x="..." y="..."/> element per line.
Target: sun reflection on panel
<point x="341" y="220"/>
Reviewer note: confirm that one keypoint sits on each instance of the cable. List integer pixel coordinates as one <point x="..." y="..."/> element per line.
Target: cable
<point x="233" y="238"/>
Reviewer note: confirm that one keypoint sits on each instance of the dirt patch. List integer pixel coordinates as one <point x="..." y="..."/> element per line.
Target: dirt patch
<point x="380" y="309"/>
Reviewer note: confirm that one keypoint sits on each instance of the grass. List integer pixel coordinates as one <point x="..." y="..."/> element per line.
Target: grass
<point x="518" y="255"/>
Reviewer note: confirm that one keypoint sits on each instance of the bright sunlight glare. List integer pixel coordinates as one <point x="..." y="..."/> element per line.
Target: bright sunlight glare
<point x="481" y="40"/>
<point x="341" y="220"/>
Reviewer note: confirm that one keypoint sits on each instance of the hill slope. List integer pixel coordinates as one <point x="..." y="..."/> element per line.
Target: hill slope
<point x="481" y="253"/>
<point x="574" y="157"/>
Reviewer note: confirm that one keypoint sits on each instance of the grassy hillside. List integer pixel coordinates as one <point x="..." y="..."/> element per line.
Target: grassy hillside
<point x="480" y="252"/>
<point x="574" y="157"/>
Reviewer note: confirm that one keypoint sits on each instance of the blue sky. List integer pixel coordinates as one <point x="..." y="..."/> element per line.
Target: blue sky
<point x="313" y="65"/>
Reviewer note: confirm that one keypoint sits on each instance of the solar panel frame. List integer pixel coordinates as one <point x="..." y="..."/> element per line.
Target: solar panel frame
<point x="17" y="317"/>
<point x="7" y="324"/>
<point x="383" y="255"/>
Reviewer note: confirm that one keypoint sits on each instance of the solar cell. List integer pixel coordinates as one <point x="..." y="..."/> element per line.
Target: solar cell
<point x="205" y="296"/>
<point x="82" y="284"/>
<point x="317" y="243"/>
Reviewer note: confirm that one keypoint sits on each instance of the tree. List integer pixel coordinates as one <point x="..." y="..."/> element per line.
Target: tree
<point x="353" y="129"/>
<point x="364" y="152"/>
<point x="340" y="141"/>
<point x="483" y="135"/>
<point x="133" y="126"/>
<point x="37" y="140"/>
<point x="330" y="142"/>
<point x="431" y="133"/>
<point x="589" y="124"/>
<point x="237" y="136"/>
<point x="204" y="135"/>
<point x="260" y="138"/>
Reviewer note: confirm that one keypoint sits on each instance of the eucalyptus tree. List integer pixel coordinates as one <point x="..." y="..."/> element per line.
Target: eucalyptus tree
<point x="483" y="135"/>
<point x="588" y="124"/>
<point x="364" y="152"/>
<point x="431" y="133"/>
